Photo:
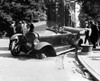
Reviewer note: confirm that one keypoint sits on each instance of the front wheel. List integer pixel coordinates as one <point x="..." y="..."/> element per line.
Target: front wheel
<point x="14" y="49"/>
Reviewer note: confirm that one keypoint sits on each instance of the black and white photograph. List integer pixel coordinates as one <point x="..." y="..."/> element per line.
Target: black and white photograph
<point x="49" y="40"/>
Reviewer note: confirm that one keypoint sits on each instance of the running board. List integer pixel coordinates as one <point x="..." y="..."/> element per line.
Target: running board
<point x="63" y="49"/>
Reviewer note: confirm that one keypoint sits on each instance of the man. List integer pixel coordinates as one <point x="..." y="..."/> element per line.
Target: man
<point x="24" y="27"/>
<point x="94" y="34"/>
<point x="31" y="40"/>
<point x="30" y="37"/>
<point x="87" y="32"/>
<point x="18" y="28"/>
<point x="98" y="42"/>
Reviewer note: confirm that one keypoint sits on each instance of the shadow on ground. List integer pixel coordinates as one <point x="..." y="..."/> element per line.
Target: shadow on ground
<point x="71" y="55"/>
<point x="20" y="57"/>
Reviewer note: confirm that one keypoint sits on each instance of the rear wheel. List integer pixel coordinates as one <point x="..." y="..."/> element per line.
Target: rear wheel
<point x="47" y="51"/>
<point x="14" y="49"/>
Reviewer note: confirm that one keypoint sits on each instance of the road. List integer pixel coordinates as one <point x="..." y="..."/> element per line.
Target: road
<point x="60" y="68"/>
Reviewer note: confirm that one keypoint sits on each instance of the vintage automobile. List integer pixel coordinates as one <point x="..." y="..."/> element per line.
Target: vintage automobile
<point x="52" y="42"/>
<point x="19" y="43"/>
<point x="63" y="39"/>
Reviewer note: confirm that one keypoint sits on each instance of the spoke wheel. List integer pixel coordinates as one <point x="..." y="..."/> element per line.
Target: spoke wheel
<point x="14" y="49"/>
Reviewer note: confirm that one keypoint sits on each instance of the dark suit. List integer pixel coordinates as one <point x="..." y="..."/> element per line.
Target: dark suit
<point x="94" y="35"/>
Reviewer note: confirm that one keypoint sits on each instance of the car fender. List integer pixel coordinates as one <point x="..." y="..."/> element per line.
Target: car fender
<point x="15" y="36"/>
<point x="40" y="45"/>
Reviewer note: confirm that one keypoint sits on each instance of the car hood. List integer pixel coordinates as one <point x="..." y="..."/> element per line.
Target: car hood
<point x="46" y="33"/>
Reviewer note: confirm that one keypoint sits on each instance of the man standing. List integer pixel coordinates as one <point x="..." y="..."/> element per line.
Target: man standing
<point x="87" y="32"/>
<point x="24" y="27"/>
<point x="94" y="34"/>
<point x="18" y="28"/>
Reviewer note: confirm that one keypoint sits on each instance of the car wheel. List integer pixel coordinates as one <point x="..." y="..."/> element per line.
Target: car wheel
<point x="14" y="49"/>
<point x="48" y="51"/>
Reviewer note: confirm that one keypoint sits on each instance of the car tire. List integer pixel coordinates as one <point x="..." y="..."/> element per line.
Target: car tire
<point x="14" y="52"/>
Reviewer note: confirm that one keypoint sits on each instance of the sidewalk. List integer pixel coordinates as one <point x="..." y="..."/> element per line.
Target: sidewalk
<point x="61" y="68"/>
<point x="72" y="67"/>
<point x="91" y="62"/>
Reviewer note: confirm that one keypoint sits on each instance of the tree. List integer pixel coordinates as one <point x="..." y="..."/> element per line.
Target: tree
<point x="16" y="10"/>
<point x="91" y="8"/>
<point x="21" y="9"/>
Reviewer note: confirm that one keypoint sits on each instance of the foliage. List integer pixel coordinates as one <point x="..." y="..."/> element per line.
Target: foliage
<point x="21" y="9"/>
<point x="91" y="8"/>
<point x="17" y="10"/>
